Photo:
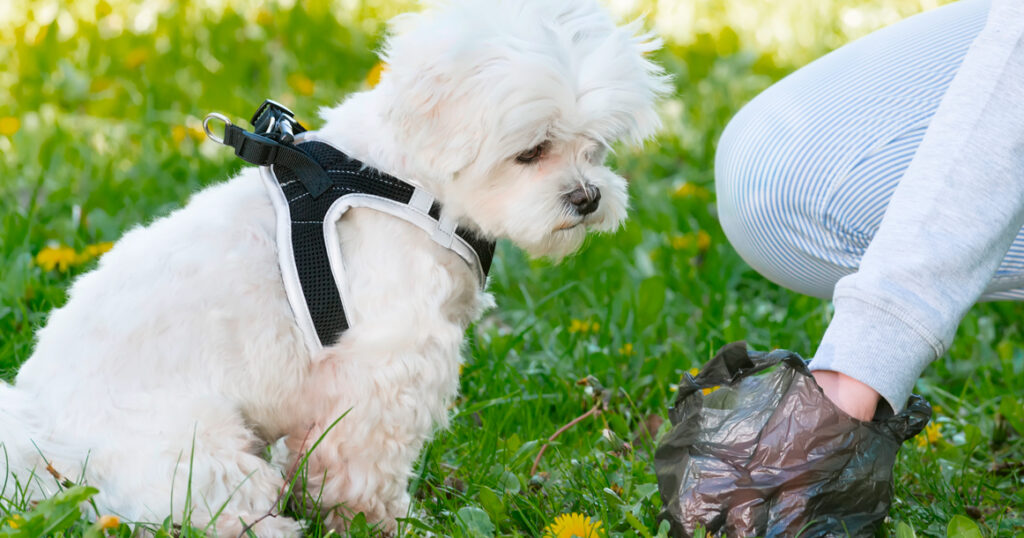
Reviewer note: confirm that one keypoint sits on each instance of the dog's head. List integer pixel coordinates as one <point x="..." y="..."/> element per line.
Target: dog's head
<point x="515" y="104"/>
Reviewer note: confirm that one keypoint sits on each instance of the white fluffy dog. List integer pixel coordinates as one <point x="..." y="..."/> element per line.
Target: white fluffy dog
<point x="178" y="359"/>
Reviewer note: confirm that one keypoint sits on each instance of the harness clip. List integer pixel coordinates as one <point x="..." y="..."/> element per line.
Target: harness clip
<point x="271" y="144"/>
<point x="274" y="120"/>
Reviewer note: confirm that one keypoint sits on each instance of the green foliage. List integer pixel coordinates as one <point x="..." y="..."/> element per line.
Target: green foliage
<point x="962" y="527"/>
<point x="905" y="531"/>
<point x="107" y="138"/>
<point x="51" y="517"/>
<point x="474" y="523"/>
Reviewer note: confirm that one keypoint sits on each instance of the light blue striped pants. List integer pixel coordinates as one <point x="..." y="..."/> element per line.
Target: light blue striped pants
<point x="805" y="171"/>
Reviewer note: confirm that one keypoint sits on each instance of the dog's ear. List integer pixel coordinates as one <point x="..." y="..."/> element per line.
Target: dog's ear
<point x="433" y="101"/>
<point x="436" y="123"/>
<point x="639" y="83"/>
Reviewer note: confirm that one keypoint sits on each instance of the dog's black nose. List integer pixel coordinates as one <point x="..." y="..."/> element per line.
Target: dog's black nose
<point x="584" y="199"/>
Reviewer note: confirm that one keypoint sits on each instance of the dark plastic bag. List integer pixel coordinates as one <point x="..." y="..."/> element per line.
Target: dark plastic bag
<point x="770" y="455"/>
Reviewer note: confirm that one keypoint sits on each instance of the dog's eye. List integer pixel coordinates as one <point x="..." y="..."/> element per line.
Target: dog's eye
<point x="532" y="154"/>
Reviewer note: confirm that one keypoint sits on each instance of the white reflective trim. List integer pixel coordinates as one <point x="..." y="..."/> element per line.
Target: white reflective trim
<point x="286" y="261"/>
<point x="421" y="200"/>
<point x="444" y="233"/>
<point x="397" y="209"/>
<point x="416" y="212"/>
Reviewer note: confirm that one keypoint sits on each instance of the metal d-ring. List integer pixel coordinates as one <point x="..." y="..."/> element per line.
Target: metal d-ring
<point x="206" y="125"/>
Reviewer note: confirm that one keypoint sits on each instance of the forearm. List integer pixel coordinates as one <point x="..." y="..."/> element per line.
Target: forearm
<point x="949" y="223"/>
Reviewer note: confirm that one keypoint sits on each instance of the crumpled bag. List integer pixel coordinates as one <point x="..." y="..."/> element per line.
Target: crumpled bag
<point x="770" y="455"/>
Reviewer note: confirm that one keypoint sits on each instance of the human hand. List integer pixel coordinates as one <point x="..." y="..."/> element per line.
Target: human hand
<point x="771" y="455"/>
<point x="848" y="394"/>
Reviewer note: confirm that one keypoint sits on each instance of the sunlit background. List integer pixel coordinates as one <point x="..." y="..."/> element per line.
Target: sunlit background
<point x="87" y="55"/>
<point x="125" y="77"/>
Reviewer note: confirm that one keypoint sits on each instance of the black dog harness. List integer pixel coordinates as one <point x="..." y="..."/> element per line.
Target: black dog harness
<point x="312" y="184"/>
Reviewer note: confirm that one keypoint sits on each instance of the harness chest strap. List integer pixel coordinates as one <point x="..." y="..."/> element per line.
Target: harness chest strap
<point x="312" y="184"/>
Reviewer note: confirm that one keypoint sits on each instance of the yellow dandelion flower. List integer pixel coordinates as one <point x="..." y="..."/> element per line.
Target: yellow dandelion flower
<point x="694" y="372"/>
<point x="930" y="435"/>
<point x="9" y="125"/>
<point x="108" y="522"/>
<point x="98" y="249"/>
<point x="681" y="242"/>
<point x="689" y="190"/>
<point x="136" y="57"/>
<point x="373" y="77"/>
<point x="574" y="525"/>
<point x="196" y="132"/>
<point x="579" y="326"/>
<point x="583" y="326"/>
<point x="59" y="258"/>
<point x="15" y="521"/>
<point x="103" y="9"/>
<point x="301" y="84"/>
<point x="703" y="240"/>
<point x="264" y="17"/>
<point x="99" y="84"/>
<point x="626" y="349"/>
<point x="178" y="133"/>
<point x="673" y="388"/>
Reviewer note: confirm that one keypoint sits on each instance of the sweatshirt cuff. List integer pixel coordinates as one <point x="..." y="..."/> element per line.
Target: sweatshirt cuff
<point x="876" y="347"/>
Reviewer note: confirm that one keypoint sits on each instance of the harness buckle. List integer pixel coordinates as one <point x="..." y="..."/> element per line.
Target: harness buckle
<point x="275" y="121"/>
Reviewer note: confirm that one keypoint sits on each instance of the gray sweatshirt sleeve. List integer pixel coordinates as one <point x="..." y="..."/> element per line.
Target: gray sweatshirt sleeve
<point x="950" y="222"/>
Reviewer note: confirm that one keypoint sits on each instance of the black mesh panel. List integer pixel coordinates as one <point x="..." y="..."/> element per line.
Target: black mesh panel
<point x="308" y="242"/>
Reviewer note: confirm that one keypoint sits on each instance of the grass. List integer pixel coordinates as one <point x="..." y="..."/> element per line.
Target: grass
<point x="105" y="137"/>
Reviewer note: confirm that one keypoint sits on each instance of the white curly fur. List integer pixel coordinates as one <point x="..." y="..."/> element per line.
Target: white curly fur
<point x="178" y="359"/>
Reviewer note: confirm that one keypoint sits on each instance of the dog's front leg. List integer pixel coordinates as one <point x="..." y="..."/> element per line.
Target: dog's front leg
<point x="389" y="400"/>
